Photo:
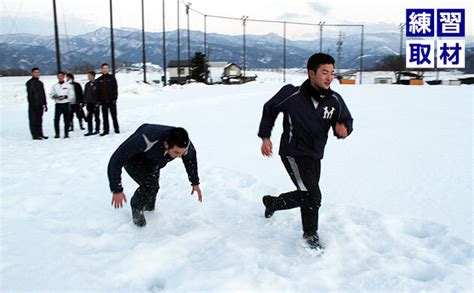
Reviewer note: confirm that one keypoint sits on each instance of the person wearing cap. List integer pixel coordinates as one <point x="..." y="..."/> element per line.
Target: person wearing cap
<point x="143" y="155"/>
<point x="309" y="111"/>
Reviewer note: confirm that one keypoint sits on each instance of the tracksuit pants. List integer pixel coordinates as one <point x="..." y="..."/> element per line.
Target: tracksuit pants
<point x="305" y="173"/>
<point x="148" y="180"/>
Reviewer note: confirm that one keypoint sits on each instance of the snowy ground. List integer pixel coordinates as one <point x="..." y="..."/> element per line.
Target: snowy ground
<point x="397" y="197"/>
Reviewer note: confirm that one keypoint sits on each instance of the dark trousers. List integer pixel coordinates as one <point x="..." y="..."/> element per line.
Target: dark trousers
<point x="35" y="115"/>
<point x="76" y="109"/>
<point x="148" y="180"/>
<point x="105" y="116"/>
<point x="305" y="173"/>
<point x="61" y="109"/>
<point x="92" y="112"/>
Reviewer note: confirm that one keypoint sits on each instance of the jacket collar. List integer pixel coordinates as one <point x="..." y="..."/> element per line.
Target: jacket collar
<point x="319" y="95"/>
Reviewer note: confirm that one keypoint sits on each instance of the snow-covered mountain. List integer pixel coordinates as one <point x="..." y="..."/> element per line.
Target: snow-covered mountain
<point x="263" y="51"/>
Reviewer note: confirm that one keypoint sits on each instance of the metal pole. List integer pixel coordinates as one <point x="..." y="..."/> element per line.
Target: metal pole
<point x="143" y="41"/>
<point x="320" y="37"/>
<point x="164" y="45"/>
<point x="205" y="36"/>
<point x="112" y="45"/>
<point x="339" y="51"/>
<point x="361" y="53"/>
<point x="56" y="37"/>
<point x="401" y="38"/>
<point x="284" y="52"/>
<point x="178" y="45"/>
<point x="189" y="38"/>
<point x="436" y="61"/>
<point x="244" y="19"/>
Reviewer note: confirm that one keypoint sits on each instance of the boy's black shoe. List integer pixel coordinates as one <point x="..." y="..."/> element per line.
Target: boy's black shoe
<point x="138" y="218"/>
<point x="313" y="241"/>
<point x="268" y="203"/>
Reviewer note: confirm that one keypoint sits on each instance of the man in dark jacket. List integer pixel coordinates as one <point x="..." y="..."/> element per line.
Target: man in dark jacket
<point x="77" y="104"/>
<point x="91" y="99"/>
<point x="309" y="111"/>
<point x="143" y="155"/>
<point x="36" y="104"/>
<point x="108" y="93"/>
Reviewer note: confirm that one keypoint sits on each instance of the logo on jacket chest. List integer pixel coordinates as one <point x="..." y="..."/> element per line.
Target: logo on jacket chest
<point x="328" y="112"/>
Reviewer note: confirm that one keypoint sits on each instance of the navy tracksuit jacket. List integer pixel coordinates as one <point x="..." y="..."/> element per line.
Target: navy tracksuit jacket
<point x="308" y="115"/>
<point x="145" y="148"/>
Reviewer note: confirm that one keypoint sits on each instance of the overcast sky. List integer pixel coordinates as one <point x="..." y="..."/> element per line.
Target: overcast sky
<point x="82" y="16"/>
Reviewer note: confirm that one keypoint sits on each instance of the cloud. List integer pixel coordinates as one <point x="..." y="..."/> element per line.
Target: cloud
<point x="42" y="26"/>
<point x="320" y="8"/>
<point x="292" y="16"/>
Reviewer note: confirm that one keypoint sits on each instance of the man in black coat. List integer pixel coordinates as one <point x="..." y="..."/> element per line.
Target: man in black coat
<point x="36" y="104"/>
<point x="108" y="93"/>
<point x="143" y="155"/>
<point x="91" y="99"/>
<point x="309" y="110"/>
<point x="77" y="104"/>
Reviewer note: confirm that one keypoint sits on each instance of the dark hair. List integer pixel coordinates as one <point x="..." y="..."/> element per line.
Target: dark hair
<point x="70" y="75"/>
<point x="34" y="69"/>
<point x="91" y="73"/>
<point x="319" y="59"/>
<point x="60" y="72"/>
<point x="104" y="64"/>
<point x="178" y="137"/>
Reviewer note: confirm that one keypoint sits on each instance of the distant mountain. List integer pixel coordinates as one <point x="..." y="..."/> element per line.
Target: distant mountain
<point x="23" y="51"/>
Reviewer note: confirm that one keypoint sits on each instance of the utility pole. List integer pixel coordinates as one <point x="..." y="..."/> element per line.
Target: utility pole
<point x="178" y="45"/>
<point x="361" y="53"/>
<point x="402" y="26"/>
<point x="205" y="35"/>
<point x="244" y="21"/>
<point x="339" y="51"/>
<point x="189" y="38"/>
<point x="56" y="37"/>
<point x="284" y="52"/>
<point x="143" y="42"/>
<point x="112" y="45"/>
<point x="164" y="46"/>
<point x="321" y="24"/>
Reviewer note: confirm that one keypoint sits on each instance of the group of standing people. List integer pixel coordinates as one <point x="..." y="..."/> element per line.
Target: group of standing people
<point x="99" y="94"/>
